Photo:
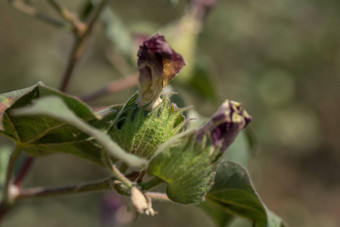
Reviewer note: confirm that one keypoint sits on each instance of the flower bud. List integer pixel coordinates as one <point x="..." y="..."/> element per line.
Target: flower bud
<point x="141" y="132"/>
<point x="141" y="203"/>
<point x="157" y="63"/>
<point x="187" y="163"/>
<point x="225" y="124"/>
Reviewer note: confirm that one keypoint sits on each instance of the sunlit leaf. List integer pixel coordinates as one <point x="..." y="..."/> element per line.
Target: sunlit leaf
<point x="42" y="134"/>
<point x="47" y="106"/>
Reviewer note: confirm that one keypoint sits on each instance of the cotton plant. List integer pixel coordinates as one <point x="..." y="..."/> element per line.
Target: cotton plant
<point x="147" y="137"/>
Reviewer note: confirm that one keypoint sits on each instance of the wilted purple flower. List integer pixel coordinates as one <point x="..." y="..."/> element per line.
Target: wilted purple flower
<point x="187" y="163"/>
<point x="225" y="124"/>
<point x="157" y="63"/>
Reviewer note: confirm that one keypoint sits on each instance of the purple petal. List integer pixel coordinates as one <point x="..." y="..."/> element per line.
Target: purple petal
<point x="225" y="124"/>
<point x="157" y="63"/>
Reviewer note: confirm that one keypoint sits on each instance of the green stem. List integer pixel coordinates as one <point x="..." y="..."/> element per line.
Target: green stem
<point x="121" y="177"/>
<point x="158" y="196"/>
<point x="11" y="162"/>
<point x="8" y="196"/>
<point x="107" y="184"/>
<point x="115" y="171"/>
<point x="151" y="184"/>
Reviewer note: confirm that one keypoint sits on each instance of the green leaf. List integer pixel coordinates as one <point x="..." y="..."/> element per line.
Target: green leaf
<point x="42" y="135"/>
<point x="220" y="217"/>
<point x="18" y="127"/>
<point x="186" y="167"/>
<point x="55" y="108"/>
<point x="274" y="220"/>
<point x="234" y="193"/>
<point x="9" y="98"/>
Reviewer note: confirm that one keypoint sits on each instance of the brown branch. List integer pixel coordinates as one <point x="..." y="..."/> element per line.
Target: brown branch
<point x="113" y="87"/>
<point x="81" y="31"/>
<point x="62" y="11"/>
<point x="77" y="25"/>
<point x="102" y="185"/>
<point x="76" y="53"/>
<point x="107" y="184"/>
<point x="81" y="37"/>
<point x="23" y="170"/>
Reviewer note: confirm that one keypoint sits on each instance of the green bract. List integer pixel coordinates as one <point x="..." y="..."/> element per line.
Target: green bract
<point x="187" y="167"/>
<point x="187" y="164"/>
<point x="141" y="132"/>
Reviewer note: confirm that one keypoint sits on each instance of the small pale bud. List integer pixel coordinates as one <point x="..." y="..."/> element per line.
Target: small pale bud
<point x="141" y="203"/>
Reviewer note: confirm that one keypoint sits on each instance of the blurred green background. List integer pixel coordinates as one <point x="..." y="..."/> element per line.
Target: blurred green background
<point x="280" y="58"/>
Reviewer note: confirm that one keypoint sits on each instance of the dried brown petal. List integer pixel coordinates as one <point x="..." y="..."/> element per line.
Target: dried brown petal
<point x="157" y="63"/>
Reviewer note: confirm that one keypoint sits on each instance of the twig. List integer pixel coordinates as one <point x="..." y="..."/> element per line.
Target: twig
<point x="23" y="171"/>
<point x="62" y="11"/>
<point x="79" y="46"/>
<point x="12" y="159"/>
<point x="102" y="185"/>
<point x="77" y="25"/>
<point x="116" y="173"/>
<point x="113" y="87"/>
<point x="158" y="196"/>
<point x="33" y="12"/>
<point x="76" y="53"/>
<point x="107" y="184"/>
<point x="8" y="198"/>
